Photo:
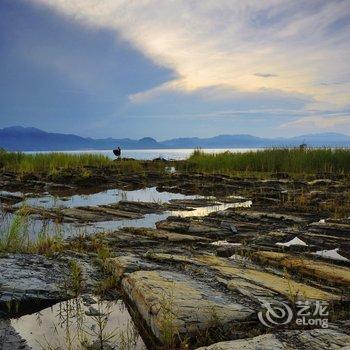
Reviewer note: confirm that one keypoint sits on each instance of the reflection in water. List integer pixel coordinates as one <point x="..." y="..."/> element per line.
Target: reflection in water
<point x="37" y="226"/>
<point x="149" y="220"/>
<point x="105" y="197"/>
<point x="203" y="211"/>
<point x="31" y="228"/>
<point x="76" y="325"/>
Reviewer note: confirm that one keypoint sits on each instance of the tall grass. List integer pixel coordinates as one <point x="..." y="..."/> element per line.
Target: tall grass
<point x="52" y="163"/>
<point x="15" y="238"/>
<point x="32" y="163"/>
<point x="292" y="160"/>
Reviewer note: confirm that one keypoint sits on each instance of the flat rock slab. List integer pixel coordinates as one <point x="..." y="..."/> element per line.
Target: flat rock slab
<point x="262" y="342"/>
<point x="337" y="275"/>
<point x="286" y="287"/>
<point x="173" y="258"/>
<point x="194" y="203"/>
<point x="193" y="227"/>
<point x="253" y="291"/>
<point x="249" y="280"/>
<point x="340" y="228"/>
<point x="315" y="339"/>
<point x="263" y="216"/>
<point x="87" y="214"/>
<point x="129" y="263"/>
<point x="116" y="211"/>
<point x="166" y="235"/>
<point x="26" y="279"/>
<point x="166" y="298"/>
<point x="10" y="198"/>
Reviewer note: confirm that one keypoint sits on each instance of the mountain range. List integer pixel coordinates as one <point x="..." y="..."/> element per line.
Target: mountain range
<point x="18" y="138"/>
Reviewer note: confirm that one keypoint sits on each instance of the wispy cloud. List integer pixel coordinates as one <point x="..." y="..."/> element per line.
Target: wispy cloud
<point x="232" y="47"/>
<point x="331" y="122"/>
<point x="210" y="43"/>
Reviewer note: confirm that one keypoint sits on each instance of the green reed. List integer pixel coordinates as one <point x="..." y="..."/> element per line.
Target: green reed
<point x="53" y="163"/>
<point x="15" y="237"/>
<point x="291" y="160"/>
<point x="31" y="163"/>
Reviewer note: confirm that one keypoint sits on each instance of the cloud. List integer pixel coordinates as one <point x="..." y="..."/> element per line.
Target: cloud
<point x="151" y="94"/>
<point x="266" y="106"/>
<point x="210" y="43"/>
<point x="331" y="83"/>
<point x="266" y="75"/>
<point x="332" y="122"/>
<point x="284" y="63"/>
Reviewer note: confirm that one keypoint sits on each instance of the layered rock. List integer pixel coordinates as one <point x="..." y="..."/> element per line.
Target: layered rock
<point x="30" y="281"/>
<point x="169" y="299"/>
<point x="316" y="339"/>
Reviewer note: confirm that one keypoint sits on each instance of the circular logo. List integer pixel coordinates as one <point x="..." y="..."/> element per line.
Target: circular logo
<point x="275" y="314"/>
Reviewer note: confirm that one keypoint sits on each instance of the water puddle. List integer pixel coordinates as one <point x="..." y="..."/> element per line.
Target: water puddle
<point x="75" y="324"/>
<point x="150" y="220"/>
<point x="35" y="225"/>
<point x="105" y="197"/>
<point x="8" y="193"/>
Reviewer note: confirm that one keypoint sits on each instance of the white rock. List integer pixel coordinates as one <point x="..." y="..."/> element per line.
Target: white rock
<point x="331" y="254"/>
<point x="238" y="257"/>
<point x="294" y="241"/>
<point x="225" y="243"/>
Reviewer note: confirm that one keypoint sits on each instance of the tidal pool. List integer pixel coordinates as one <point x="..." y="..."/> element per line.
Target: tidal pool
<point x="75" y="324"/>
<point x="35" y="226"/>
<point x="149" y="194"/>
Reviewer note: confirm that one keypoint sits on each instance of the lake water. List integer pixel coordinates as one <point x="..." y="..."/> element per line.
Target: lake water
<point x="146" y="154"/>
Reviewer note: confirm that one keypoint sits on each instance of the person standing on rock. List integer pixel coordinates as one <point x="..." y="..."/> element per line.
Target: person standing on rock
<point x="117" y="152"/>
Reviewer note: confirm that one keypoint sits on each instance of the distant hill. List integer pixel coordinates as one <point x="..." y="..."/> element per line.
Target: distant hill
<point x="18" y="138"/>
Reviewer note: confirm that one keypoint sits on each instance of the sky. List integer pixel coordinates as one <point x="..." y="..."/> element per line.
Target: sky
<point x="175" y="68"/>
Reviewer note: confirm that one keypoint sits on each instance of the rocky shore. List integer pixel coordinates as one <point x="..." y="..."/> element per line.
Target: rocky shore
<point x="193" y="281"/>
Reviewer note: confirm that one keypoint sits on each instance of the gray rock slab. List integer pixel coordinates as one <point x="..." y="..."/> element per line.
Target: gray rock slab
<point x="315" y="339"/>
<point x="26" y="278"/>
<point x="191" y="306"/>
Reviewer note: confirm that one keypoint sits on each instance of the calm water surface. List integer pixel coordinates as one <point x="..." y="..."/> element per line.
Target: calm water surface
<point x="146" y="154"/>
<point x="71" y="325"/>
<point x="150" y="194"/>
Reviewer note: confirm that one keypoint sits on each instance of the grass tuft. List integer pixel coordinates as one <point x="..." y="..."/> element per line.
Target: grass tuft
<point x="16" y="237"/>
